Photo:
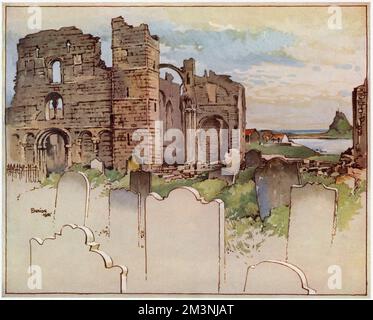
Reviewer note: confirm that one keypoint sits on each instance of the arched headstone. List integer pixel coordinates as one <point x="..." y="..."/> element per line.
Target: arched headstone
<point x="123" y="242"/>
<point x="253" y="158"/>
<point x="71" y="261"/>
<point x="311" y="228"/>
<point x="273" y="182"/>
<point x="276" y="277"/>
<point x="72" y="199"/>
<point x="184" y="242"/>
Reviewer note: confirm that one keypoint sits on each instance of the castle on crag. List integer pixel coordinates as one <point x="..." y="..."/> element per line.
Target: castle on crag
<point x="70" y="108"/>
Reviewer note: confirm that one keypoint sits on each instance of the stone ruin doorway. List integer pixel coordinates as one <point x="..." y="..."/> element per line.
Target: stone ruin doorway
<point x="53" y="151"/>
<point x="214" y="147"/>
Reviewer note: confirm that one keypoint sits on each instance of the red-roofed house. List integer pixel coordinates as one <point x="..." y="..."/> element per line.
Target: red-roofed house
<point x="251" y="135"/>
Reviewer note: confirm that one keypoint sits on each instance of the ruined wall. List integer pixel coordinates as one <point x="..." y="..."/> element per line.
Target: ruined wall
<point x="218" y="99"/>
<point x="135" y="85"/>
<point x="67" y="99"/>
<point x="61" y="83"/>
<point x="360" y="106"/>
<point x="85" y="85"/>
<point x="169" y="102"/>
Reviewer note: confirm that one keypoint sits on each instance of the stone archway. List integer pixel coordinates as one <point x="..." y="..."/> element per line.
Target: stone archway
<point x="216" y="145"/>
<point x="53" y="151"/>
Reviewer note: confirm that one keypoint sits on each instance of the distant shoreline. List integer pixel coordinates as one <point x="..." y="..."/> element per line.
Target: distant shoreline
<point x="316" y="136"/>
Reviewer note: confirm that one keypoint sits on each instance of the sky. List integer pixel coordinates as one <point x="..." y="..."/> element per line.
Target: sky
<point x="299" y="65"/>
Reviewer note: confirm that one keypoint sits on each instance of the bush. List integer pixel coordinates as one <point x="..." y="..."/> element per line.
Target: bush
<point x="314" y="178"/>
<point x="245" y="175"/>
<point x="240" y="200"/>
<point x="122" y="183"/>
<point x="278" y="221"/>
<point x="349" y="203"/>
<point x="113" y="175"/>
<point x="244" y="236"/>
<point x="209" y="189"/>
<point x="51" y="181"/>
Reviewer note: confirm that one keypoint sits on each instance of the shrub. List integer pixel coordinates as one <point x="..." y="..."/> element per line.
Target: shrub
<point x="245" y="175"/>
<point x="51" y="180"/>
<point x="240" y="200"/>
<point x="278" y="221"/>
<point x="209" y="189"/>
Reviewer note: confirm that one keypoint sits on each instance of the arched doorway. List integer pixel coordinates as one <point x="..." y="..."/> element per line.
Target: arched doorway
<point x="53" y="150"/>
<point x="217" y="140"/>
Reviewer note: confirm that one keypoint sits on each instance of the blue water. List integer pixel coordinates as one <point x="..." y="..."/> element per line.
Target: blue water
<point x="301" y="131"/>
<point x="326" y="146"/>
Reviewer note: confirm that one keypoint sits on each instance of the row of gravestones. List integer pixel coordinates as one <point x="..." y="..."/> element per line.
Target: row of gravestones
<point x="318" y="259"/>
<point x="87" y="246"/>
<point x="140" y="243"/>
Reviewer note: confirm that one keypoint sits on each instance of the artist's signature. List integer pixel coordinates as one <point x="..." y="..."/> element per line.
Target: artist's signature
<point x="43" y="212"/>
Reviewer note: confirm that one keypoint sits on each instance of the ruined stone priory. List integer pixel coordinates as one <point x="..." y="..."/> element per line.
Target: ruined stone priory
<point x="70" y="108"/>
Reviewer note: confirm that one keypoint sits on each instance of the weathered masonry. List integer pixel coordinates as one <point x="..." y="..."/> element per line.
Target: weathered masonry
<point x="360" y="118"/>
<point x="70" y="108"/>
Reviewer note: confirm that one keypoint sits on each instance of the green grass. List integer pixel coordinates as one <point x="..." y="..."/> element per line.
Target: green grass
<point x="338" y="135"/>
<point x="314" y="178"/>
<point x="245" y="175"/>
<point x="244" y="236"/>
<point x="333" y="158"/>
<point x="51" y="181"/>
<point x="210" y="189"/>
<point x="240" y="200"/>
<point x="287" y="151"/>
<point x="122" y="183"/>
<point x="163" y="187"/>
<point x="278" y="221"/>
<point x="349" y="203"/>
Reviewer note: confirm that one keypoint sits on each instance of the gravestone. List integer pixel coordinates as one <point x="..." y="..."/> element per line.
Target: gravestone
<point x="31" y="216"/>
<point x="232" y="163"/>
<point x="98" y="165"/>
<point x="72" y="262"/>
<point x="311" y="228"/>
<point x="276" y="277"/>
<point x="184" y="242"/>
<point x="98" y="218"/>
<point x="216" y="174"/>
<point x="140" y="182"/>
<point x="273" y="182"/>
<point x="253" y="158"/>
<point x="123" y="243"/>
<point x="72" y="199"/>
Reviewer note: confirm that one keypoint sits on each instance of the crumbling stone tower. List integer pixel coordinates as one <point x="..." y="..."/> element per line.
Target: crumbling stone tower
<point x="135" y="87"/>
<point x="60" y="113"/>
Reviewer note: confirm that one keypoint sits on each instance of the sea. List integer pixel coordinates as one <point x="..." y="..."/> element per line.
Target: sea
<point x="323" y="146"/>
